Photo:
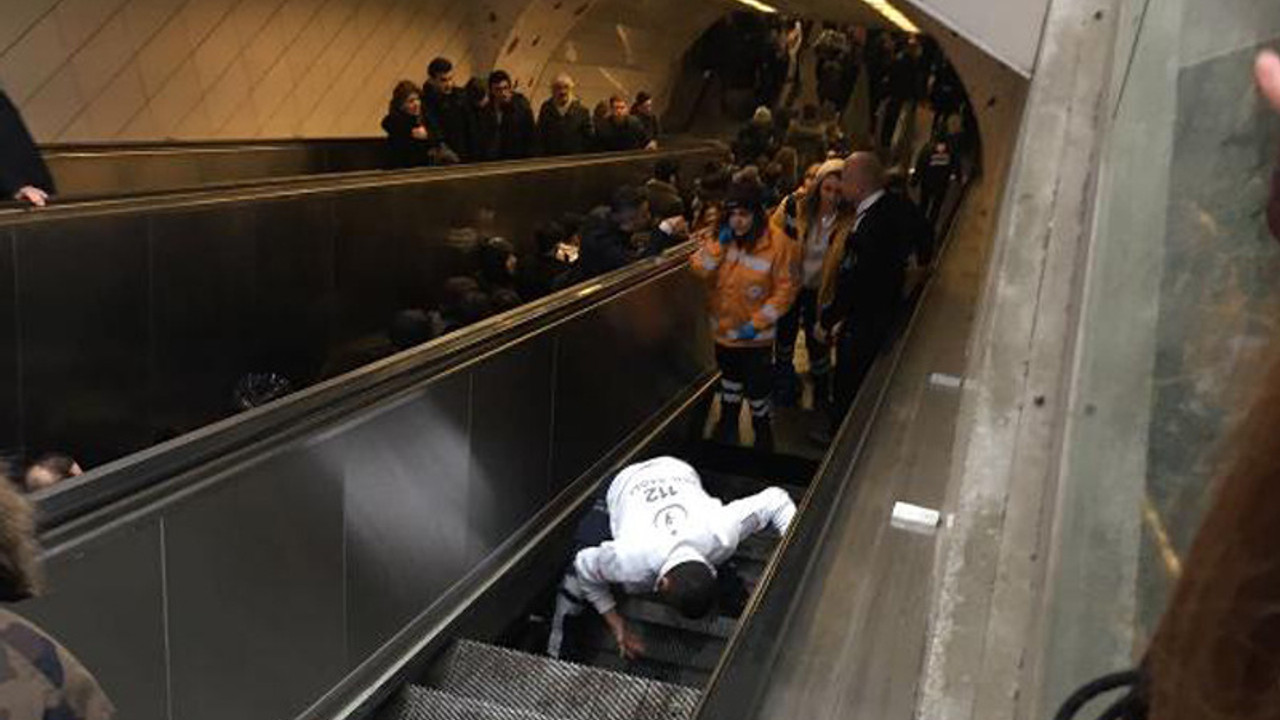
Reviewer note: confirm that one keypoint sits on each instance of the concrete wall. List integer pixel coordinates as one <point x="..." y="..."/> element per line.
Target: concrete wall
<point x="107" y="70"/>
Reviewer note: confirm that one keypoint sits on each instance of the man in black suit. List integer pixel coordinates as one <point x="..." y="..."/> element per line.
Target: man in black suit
<point x="23" y="174"/>
<point x="886" y="229"/>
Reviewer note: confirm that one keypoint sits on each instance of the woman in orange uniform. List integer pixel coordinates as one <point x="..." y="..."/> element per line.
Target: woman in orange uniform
<point x="750" y="268"/>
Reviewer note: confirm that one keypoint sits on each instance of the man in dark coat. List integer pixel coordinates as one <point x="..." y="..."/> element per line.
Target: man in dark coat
<point x="884" y="232"/>
<point x="514" y="115"/>
<point x="564" y="125"/>
<point x="444" y="110"/>
<point x="620" y="131"/>
<point x="23" y="174"/>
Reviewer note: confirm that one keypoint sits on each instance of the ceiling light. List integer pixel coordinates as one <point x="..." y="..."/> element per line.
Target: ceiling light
<point x="890" y="13"/>
<point x="757" y="5"/>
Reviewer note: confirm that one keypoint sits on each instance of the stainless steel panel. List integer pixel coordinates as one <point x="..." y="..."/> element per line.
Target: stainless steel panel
<point x="204" y="314"/>
<point x="628" y="357"/>
<point x="377" y="234"/>
<point x="83" y="306"/>
<point x="255" y="588"/>
<point x="10" y="397"/>
<point x="406" y="493"/>
<point x="294" y="285"/>
<point x="104" y="602"/>
<point x="510" y="440"/>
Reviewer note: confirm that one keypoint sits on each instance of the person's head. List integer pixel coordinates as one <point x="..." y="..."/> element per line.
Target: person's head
<point x="940" y="146"/>
<point x="50" y="470"/>
<point x="501" y="89"/>
<point x="476" y="93"/>
<point x="440" y="75"/>
<point x="410" y="328"/>
<point x="745" y="209"/>
<point x="863" y="175"/>
<point x="406" y="98"/>
<point x="601" y="113"/>
<point x="828" y="189"/>
<point x="562" y="89"/>
<point x="763" y="117"/>
<point x="630" y="209"/>
<point x="548" y="237"/>
<point x="644" y="103"/>
<point x="572" y="224"/>
<point x="810" y="178"/>
<point x="809" y="113"/>
<point x="19" y="569"/>
<point x="618" y="107"/>
<point x="666" y="170"/>
<point x="498" y="261"/>
<point x="689" y="588"/>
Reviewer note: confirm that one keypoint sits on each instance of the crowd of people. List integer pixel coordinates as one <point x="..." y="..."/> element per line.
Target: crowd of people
<point x="440" y="123"/>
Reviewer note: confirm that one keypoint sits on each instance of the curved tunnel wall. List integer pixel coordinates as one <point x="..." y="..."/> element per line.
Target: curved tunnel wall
<point x="111" y="70"/>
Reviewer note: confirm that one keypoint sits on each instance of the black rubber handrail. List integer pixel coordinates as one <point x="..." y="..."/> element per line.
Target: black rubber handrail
<point x="114" y="489"/>
<point x="12" y="212"/>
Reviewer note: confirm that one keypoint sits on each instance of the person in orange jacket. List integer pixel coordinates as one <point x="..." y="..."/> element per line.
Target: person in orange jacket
<point x="750" y="268"/>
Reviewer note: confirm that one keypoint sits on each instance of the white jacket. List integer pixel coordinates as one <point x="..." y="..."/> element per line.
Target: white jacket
<point x="660" y="517"/>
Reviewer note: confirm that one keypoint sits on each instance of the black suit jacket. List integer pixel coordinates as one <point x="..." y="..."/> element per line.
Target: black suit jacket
<point x="873" y="269"/>
<point x="20" y="161"/>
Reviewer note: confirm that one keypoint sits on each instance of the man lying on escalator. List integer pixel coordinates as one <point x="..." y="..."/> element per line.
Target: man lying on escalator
<point x="659" y="532"/>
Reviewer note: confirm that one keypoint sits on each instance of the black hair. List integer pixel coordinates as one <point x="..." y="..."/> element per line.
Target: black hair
<point x="572" y="223"/>
<point x="643" y="97"/>
<point x="259" y="388"/>
<point x="504" y="299"/>
<point x="494" y="254"/>
<point x="690" y="589"/>
<point x="439" y="67"/>
<point x="627" y="197"/>
<point x="410" y="328"/>
<point x="475" y="306"/>
<point x="499" y="76"/>
<point x="666" y="170"/>
<point x="475" y="91"/>
<point x="548" y="236"/>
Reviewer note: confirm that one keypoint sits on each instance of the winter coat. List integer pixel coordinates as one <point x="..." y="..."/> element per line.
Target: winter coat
<point x="755" y="284"/>
<point x="565" y="134"/>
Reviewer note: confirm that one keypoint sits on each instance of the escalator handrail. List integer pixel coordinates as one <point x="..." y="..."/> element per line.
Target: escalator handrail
<point x="288" y="186"/>
<point x="112" y="490"/>
<point x="746" y="666"/>
<point x="279" y="188"/>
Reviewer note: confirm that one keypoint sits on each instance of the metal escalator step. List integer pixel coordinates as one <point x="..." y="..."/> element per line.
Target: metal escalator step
<point x="655" y="613"/>
<point x="558" y="689"/>
<point x="652" y="669"/>
<point x="419" y="703"/>
<point x="662" y="644"/>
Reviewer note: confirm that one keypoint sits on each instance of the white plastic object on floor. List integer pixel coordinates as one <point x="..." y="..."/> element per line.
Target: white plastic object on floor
<point x="914" y="518"/>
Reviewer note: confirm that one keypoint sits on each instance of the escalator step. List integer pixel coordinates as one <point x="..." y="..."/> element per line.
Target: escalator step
<point x="661" y="644"/>
<point x="419" y="703"/>
<point x="758" y="547"/>
<point x="654" y="613"/>
<point x="558" y="689"/>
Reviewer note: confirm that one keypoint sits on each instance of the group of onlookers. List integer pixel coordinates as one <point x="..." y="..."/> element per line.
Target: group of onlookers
<point x="441" y="123"/>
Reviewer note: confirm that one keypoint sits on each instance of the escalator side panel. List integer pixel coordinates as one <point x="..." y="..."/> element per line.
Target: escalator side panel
<point x="10" y="365"/>
<point x="83" y="335"/>
<point x="643" y="369"/>
<point x="406" y="496"/>
<point x="285" y="570"/>
<point x="121" y="638"/>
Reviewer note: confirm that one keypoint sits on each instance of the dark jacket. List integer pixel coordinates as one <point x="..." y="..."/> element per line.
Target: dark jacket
<point x="934" y="170"/>
<point x="652" y="127"/>
<point x="403" y="149"/>
<point x="606" y="247"/>
<point x="567" y="134"/>
<point x="810" y="141"/>
<point x="872" y="272"/>
<point x="448" y="118"/>
<point x="753" y="141"/>
<point x="20" y="161"/>
<point x="541" y="275"/>
<point x="517" y="136"/>
<point x="616" y="135"/>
